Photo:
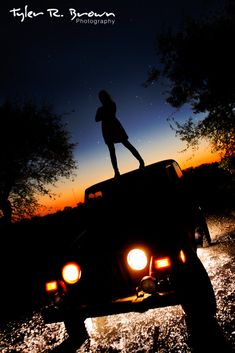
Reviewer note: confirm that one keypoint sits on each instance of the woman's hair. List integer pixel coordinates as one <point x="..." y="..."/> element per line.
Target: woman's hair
<point x="104" y="97"/>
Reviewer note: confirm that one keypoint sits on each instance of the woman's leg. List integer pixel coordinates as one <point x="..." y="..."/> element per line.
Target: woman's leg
<point x="134" y="151"/>
<point x="113" y="158"/>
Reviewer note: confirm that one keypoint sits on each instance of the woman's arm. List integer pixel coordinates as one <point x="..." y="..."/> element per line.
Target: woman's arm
<point x="98" y="116"/>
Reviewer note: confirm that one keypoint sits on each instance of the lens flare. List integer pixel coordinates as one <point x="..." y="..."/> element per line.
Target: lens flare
<point x="137" y="259"/>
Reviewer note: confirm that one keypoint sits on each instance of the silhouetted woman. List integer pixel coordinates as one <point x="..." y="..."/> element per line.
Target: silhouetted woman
<point x="112" y="130"/>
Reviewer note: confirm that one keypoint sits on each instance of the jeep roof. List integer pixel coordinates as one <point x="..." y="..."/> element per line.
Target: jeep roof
<point x="165" y="172"/>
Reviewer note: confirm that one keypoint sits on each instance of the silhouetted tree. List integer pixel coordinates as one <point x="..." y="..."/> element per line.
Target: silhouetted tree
<point x="198" y="63"/>
<point x="34" y="153"/>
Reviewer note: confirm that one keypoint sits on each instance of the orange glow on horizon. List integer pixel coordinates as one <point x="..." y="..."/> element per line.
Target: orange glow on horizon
<point x="201" y="158"/>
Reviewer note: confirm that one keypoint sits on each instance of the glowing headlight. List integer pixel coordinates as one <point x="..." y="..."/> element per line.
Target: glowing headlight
<point x="137" y="259"/>
<point x="71" y="272"/>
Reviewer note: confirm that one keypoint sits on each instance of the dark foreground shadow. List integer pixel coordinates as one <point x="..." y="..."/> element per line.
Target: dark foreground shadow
<point x="207" y="336"/>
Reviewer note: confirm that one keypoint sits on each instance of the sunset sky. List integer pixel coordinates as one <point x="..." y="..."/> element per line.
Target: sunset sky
<point x="65" y="63"/>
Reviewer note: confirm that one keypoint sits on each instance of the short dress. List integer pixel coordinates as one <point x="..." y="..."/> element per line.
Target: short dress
<point x="112" y="129"/>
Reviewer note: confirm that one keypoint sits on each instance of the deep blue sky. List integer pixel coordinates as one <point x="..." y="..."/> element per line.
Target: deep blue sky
<point x="58" y="61"/>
